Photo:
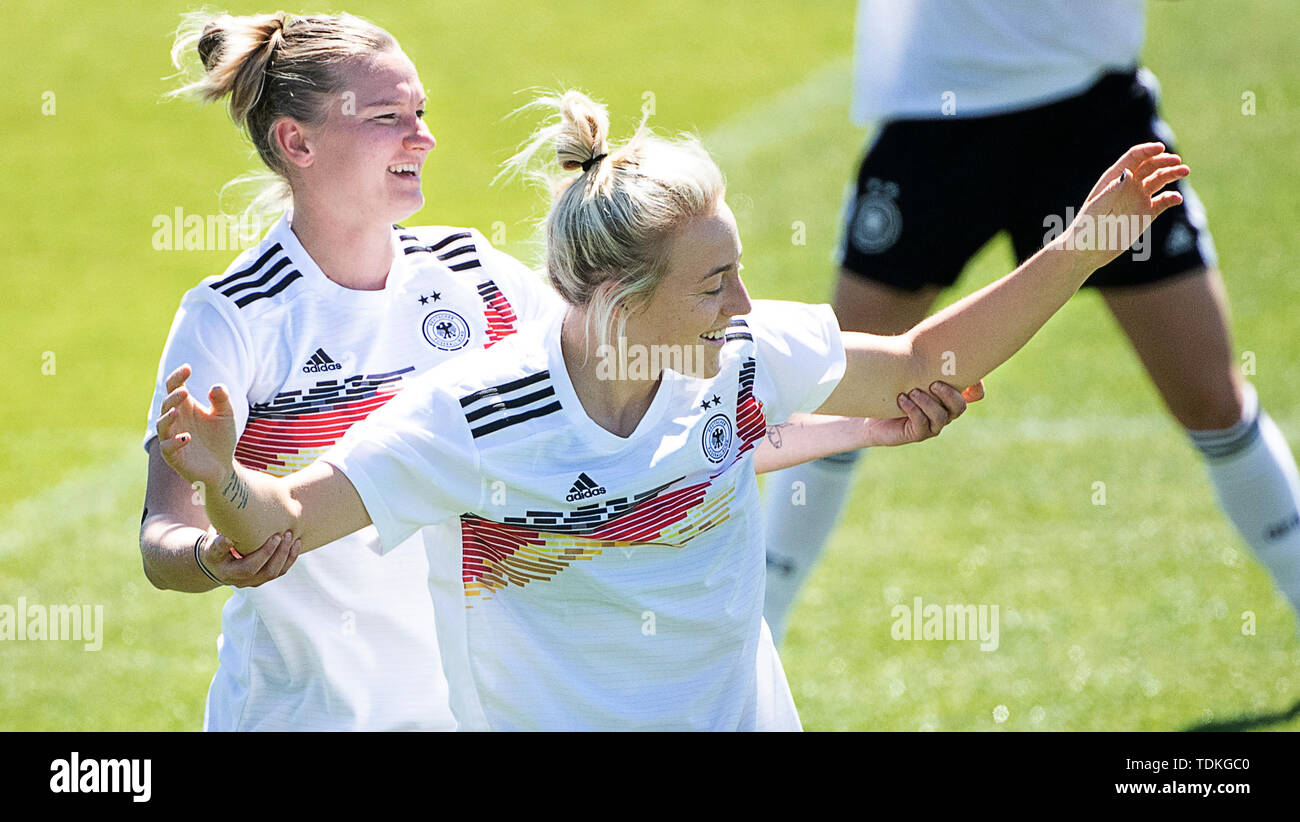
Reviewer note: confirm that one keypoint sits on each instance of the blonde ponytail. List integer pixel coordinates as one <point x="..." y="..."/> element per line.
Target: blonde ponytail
<point x="607" y="230"/>
<point x="235" y="53"/>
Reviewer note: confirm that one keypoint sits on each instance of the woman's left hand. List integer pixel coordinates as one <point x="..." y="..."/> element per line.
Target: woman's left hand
<point x="926" y="414"/>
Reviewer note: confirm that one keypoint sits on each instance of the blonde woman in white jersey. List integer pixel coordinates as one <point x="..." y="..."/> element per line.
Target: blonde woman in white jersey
<point x="959" y="91"/>
<point x="312" y="330"/>
<point x="639" y="604"/>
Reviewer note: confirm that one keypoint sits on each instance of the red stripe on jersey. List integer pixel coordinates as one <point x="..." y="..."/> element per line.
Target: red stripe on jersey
<point x="491" y="549"/>
<point x="270" y="443"/>
<point x="751" y="424"/>
<point x="497" y="554"/>
<point x="498" y="312"/>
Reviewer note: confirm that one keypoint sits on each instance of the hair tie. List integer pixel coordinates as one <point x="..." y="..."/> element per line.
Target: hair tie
<point x="275" y="38"/>
<point x="277" y="24"/>
<point x="587" y="164"/>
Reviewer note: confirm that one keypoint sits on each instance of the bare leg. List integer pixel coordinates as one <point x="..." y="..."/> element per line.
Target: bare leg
<point x="1179" y="329"/>
<point x="804" y="503"/>
<point x="865" y="305"/>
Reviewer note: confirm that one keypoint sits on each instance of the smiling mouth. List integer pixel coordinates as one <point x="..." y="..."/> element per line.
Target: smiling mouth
<point x="407" y="171"/>
<point x="715" y="337"/>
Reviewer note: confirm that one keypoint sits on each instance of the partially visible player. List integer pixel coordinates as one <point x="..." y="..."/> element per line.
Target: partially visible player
<point x="318" y="326"/>
<point x="964" y="93"/>
<point x="604" y="562"/>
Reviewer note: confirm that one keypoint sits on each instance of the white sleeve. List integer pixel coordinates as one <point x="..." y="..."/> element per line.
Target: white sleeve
<point x="413" y="461"/>
<point x="800" y="356"/>
<point x="527" y="291"/>
<point x="210" y="337"/>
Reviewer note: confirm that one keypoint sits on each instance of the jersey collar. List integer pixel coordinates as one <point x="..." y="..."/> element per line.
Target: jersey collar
<point x="600" y="439"/>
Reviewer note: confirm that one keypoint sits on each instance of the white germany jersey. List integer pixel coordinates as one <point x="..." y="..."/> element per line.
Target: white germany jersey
<point x="601" y="582"/>
<point x="938" y="58"/>
<point x="345" y="639"/>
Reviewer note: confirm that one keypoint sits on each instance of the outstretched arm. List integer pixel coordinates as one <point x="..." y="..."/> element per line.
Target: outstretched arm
<point x="318" y="504"/>
<point x="806" y="437"/>
<point x="967" y="340"/>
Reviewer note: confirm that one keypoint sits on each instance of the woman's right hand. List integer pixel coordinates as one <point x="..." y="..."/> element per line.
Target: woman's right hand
<point x="198" y="443"/>
<point x="1126" y="199"/>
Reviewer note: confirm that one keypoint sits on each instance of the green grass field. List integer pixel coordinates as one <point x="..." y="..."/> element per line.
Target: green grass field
<point x="1122" y="616"/>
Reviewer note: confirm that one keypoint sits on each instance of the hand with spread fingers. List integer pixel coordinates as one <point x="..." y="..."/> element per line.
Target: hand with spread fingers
<point x="1132" y="189"/>
<point x="198" y="443"/>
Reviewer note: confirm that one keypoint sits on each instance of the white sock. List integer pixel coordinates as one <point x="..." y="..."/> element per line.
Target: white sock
<point x="798" y="521"/>
<point x="1255" y="478"/>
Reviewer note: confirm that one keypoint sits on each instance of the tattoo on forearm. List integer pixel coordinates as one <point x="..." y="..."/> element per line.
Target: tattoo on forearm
<point x="235" y="492"/>
<point x="774" y="434"/>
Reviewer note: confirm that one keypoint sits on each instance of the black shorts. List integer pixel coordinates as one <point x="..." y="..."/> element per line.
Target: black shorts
<point x="931" y="193"/>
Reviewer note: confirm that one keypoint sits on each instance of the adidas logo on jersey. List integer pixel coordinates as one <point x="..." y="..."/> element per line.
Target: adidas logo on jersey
<point x="320" y="361"/>
<point x="584" y="488"/>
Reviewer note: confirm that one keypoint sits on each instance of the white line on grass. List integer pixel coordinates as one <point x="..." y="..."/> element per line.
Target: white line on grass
<point x="90" y="491"/>
<point x="822" y="94"/>
<point x="1086" y="429"/>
